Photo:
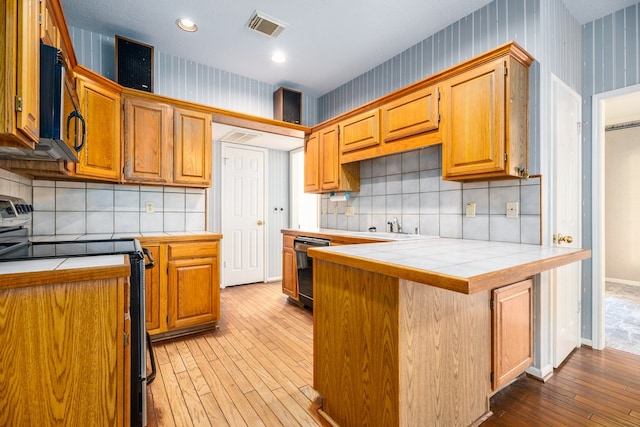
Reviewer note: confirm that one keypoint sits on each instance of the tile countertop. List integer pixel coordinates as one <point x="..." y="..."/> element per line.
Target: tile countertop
<point x="66" y="237"/>
<point x="370" y="235"/>
<point x="465" y="266"/>
<point x="52" y="264"/>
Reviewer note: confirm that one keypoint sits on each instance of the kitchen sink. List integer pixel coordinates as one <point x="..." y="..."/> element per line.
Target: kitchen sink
<point x="387" y="235"/>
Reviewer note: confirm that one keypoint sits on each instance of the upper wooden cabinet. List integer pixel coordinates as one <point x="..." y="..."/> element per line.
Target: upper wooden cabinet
<point x="19" y="88"/>
<point x="334" y="176"/>
<point x="164" y="143"/>
<point x="192" y="147"/>
<point x="312" y="163"/>
<point x="411" y="114"/>
<point x="323" y="171"/>
<point x="100" y="105"/>
<point x="486" y="134"/>
<point x="148" y="141"/>
<point x="360" y="136"/>
<point x="477" y="110"/>
<point x="405" y="122"/>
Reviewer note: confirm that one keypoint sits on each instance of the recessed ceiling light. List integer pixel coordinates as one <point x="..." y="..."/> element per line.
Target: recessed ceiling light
<point x="278" y="57"/>
<point x="187" y="25"/>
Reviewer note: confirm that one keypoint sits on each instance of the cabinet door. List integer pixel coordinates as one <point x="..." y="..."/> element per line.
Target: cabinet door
<point x="410" y="115"/>
<point x="329" y="159"/>
<point x="474" y="138"/>
<point x="100" y="106"/>
<point x="512" y="337"/>
<point x="360" y="132"/>
<point x="311" y="163"/>
<point x="192" y="147"/>
<point x="194" y="292"/>
<point x="49" y="33"/>
<point x="289" y="271"/>
<point x="19" y="88"/>
<point x="152" y="292"/>
<point x="148" y="141"/>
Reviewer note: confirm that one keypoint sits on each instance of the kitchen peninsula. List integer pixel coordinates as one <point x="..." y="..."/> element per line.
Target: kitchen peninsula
<point x="404" y="332"/>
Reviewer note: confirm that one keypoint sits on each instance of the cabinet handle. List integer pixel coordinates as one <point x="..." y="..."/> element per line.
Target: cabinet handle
<point x="559" y="238"/>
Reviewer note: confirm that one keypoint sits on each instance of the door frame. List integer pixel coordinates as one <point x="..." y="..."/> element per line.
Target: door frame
<point x="597" y="212"/>
<point x="265" y="187"/>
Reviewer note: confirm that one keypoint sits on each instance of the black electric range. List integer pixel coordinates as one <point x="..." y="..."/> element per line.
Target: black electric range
<point x="15" y="246"/>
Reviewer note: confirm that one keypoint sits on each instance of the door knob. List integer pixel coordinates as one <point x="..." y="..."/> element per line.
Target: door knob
<point x="260" y="222"/>
<point x="559" y="238"/>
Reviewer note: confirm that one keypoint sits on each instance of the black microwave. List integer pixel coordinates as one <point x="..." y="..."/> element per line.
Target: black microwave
<point x="52" y="87"/>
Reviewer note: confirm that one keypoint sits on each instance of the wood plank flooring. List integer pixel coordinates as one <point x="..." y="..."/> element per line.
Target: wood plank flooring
<point x="256" y="369"/>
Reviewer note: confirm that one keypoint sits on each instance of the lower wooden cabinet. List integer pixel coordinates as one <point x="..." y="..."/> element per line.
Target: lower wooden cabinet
<point x="289" y="268"/>
<point x="64" y="352"/>
<point x="512" y="332"/>
<point x="183" y="289"/>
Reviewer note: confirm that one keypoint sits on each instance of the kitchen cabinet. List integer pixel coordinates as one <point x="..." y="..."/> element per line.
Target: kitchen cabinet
<point x="100" y="105"/>
<point x="322" y="164"/>
<point x="512" y="332"/>
<point x="192" y="147"/>
<point x="152" y="291"/>
<point x="360" y="136"/>
<point x="407" y="121"/>
<point x="486" y="135"/>
<point x="165" y="143"/>
<point x="19" y="88"/>
<point x="411" y="121"/>
<point x="148" y="141"/>
<point x="194" y="287"/>
<point x="312" y="163"/>
<point x="183" y="289"/>
<point x="289" y="268"/>
<point x="64" y="348"/>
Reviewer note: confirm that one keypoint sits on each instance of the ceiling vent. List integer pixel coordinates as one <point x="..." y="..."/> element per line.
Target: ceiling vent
<point x="265" y="24"/>
<point x="239" y="137"/>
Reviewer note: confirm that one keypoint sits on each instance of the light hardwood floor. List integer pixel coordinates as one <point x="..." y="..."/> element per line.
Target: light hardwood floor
<point x="256" y="369"/>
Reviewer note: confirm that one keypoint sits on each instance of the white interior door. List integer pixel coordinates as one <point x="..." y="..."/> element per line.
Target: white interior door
<point x="242" y="215"/>
<point x="565" y="281"/>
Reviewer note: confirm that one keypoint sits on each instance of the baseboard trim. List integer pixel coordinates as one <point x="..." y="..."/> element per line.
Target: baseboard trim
<point x="622" y="281"/>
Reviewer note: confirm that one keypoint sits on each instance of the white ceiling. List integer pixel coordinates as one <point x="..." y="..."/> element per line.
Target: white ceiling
<point x="327" y="42"/>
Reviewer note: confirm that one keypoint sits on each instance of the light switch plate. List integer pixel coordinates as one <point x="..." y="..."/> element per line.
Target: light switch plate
<point x="471" y="210"/>
<point x="349" y="211"/>
<point x="512" y="210"/>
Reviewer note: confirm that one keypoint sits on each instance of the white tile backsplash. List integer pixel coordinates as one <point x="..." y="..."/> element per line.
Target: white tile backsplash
<point x="79" y="208"/>
<point x="70" y="222"/>
<point x="410" y="187"/>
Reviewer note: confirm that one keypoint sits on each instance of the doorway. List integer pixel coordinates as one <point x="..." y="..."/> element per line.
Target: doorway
<point x="603" y="112"/>
<point x="243" y="215"/>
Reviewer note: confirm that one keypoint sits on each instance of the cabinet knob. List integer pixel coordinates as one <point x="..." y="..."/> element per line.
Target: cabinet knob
<point x="260" y="222"/>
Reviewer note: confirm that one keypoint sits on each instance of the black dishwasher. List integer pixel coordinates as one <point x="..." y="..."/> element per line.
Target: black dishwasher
<point x="304" y="266"/>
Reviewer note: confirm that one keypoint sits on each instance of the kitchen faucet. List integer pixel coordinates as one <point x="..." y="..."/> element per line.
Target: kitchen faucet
<point x="396" y="223"/>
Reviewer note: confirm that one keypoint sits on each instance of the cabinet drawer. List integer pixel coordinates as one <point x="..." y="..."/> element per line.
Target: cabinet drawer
<point x="193" y="250"/>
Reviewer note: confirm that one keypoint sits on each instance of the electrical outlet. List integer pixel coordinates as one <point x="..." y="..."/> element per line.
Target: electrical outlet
<point x="324" y="209"/>
<point x="148" y="207"/>
<point x="349" y="211"/>
<point x="512" y="210"/>
<point x="471" y="210"/>
<point x="335" y="209"/>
